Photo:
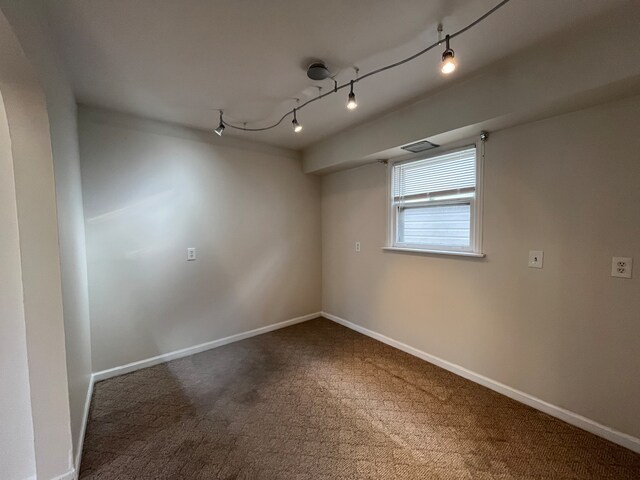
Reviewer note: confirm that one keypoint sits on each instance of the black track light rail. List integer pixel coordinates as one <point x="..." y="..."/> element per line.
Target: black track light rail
<point x="366" y="75"/>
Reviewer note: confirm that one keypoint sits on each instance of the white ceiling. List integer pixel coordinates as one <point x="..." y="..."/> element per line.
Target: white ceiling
<point x="180" y="60"/>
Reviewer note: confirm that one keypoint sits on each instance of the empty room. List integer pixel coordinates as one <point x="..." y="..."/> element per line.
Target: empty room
<point x="318" y="240"/>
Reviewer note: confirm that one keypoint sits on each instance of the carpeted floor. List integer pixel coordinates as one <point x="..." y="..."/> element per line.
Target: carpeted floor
<point x="318" y="401"/>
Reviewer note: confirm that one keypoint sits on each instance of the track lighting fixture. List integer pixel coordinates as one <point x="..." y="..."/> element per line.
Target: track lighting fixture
<point x="351" y="103"/>
<point x="319" y="71"/>
<point x="220" y="128"/>
<point x="448" y="59"/>
<point x="296" y="126"/>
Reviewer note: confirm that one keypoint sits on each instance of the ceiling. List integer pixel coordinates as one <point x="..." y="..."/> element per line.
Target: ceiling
<point x="181" y="60"/>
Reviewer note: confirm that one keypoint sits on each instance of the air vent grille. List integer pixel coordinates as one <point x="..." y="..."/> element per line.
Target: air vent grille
<point x="419" y="146"/>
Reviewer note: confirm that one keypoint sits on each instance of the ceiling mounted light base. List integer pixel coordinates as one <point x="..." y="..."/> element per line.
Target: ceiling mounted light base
<point x="318" y="71"/>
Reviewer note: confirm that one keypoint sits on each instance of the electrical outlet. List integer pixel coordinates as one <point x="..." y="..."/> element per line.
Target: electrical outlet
<point x="191" y="253"/>
<point x="357" y="246"/>
<point x="535" y="258"/>
<point x="621" y="267"/>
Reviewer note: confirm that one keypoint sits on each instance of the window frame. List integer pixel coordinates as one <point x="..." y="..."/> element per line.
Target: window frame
<point x="476" y="203"/>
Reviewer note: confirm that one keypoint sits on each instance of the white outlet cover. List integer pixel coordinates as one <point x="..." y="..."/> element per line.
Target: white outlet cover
<point x="621" y="267"/>
<point x="357" y="246"/>
<point x="536" y="258"/>
<point x="191" y="254"/>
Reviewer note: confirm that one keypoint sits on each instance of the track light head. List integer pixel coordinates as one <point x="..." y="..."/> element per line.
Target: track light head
<point x="297" y="128"/>
<point x="449" y="62"/>
<point x="352" y="103"/>
<point x="220" y="129"/>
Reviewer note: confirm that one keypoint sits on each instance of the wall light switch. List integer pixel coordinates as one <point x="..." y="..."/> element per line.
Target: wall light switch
<point x="357" y="246"/>
<point x="191" y="253"/>
<point x="535" y="258"/>
<point x="621" y="267"/>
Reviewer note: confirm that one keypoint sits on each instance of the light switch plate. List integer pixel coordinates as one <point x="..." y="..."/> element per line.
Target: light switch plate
<point x="535" y="258"/>
<point x="191" y="253"/>
<point x="621" y="267"/>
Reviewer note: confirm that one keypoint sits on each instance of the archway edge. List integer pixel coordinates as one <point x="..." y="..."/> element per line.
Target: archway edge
<point x="30" y="149"/>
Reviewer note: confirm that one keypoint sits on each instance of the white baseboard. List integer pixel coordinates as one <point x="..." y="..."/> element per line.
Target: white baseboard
<point x="623" y="439"/>
<point x="185" y="352"/>
<point x="70" y="475"/>
<point x="83" y="429"/>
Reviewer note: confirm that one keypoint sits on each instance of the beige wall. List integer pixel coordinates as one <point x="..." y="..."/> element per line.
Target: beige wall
<point x="567" y="334"/>
<point x="152" y="190"/>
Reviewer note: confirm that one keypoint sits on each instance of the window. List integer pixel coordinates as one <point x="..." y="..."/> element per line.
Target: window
<point x="435" y="203"/>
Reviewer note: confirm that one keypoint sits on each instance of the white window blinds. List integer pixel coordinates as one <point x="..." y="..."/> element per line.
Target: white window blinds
<point x="436" y="225"/>
<point x="433" y="201"/>
<point x="448" y="174"/>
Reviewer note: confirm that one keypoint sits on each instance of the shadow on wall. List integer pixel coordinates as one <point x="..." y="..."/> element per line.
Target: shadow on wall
<point x="253" y="219"/>
<point x="150" y="228"/>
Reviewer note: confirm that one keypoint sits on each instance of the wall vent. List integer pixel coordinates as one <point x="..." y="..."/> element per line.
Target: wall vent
<point x="419" y="146"/>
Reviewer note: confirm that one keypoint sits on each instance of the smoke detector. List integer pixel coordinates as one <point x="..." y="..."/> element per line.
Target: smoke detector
<point x="318" y="71"/>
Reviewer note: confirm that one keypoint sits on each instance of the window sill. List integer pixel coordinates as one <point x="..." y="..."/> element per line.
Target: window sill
<point x="434" y="252"/>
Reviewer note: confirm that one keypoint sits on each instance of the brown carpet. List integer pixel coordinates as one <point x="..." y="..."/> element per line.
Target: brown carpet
<point x="318" y="401"/>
